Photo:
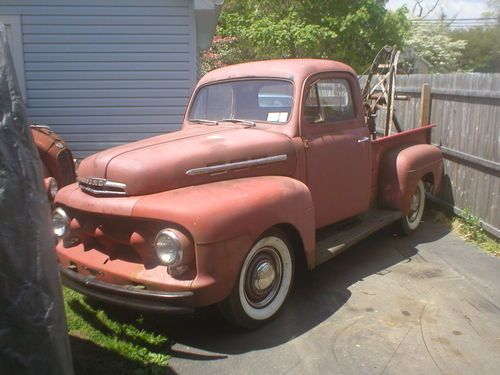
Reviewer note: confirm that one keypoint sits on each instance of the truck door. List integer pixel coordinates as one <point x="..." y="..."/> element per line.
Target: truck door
<point x="338" y="147"/>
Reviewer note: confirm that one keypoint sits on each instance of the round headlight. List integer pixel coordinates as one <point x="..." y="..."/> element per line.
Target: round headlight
<point x="53" y="188"/>
<point x="168" y="247"/>
<point x="60" y="222"/>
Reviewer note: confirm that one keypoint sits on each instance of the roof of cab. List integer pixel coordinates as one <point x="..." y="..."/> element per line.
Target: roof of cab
<point x="294" y="69"/>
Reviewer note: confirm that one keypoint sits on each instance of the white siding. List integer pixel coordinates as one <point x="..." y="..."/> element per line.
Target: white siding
<point x="106" y="72"/>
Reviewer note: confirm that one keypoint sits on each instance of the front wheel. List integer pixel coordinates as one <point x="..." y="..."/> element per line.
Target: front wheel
<point x="264" y="282"/>
<point x="411" y="222"/>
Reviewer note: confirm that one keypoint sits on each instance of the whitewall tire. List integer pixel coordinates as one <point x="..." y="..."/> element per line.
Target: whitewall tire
<point x="264" y="282"/>
<point x="411" y="222"/>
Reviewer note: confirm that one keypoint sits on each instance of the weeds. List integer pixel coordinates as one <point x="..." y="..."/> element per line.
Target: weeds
<point x="469" y="228"/>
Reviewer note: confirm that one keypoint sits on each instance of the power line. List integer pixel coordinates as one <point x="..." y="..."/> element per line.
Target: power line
<point x="453" y="20"/>
<point x="459" y="22"/>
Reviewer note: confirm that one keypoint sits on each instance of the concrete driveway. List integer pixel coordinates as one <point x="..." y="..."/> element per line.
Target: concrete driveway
<point x="424" y="304"/>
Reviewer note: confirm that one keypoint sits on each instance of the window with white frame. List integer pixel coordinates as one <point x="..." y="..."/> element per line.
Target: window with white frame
<point x="15" y="39"/>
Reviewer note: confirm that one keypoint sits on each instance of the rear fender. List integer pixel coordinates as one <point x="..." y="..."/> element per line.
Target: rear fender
<point x="400" y="171"/>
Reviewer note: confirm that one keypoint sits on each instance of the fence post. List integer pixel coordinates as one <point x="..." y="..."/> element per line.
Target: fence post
<point x="425" y="105"/>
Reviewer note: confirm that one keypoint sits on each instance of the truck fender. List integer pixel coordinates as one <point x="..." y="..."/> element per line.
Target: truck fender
<point x="226" y="218"/>
<point x="402" y="168"/>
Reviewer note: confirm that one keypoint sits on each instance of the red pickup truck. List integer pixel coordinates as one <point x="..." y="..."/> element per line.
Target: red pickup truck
<point x="274" y="169"/>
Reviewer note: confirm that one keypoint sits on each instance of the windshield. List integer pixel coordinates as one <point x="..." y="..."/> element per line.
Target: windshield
<point x="267" y="100"/>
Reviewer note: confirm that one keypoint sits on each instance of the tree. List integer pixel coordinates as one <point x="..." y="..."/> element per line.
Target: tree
<point x="345" y="30"/>
<point x="434" y="43"/>
<point x="420" y="11"/>
<point x="482" y="53"/>
<point x="493" y="9"/>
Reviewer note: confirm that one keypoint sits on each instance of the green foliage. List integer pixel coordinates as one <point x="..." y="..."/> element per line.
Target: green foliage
<point x="222" y="52"/>
<point x="140" y="351"/>
<point x="482" y="53"/>
<point x="469" y="228"/>
<point x="345" y="30"/>
<point x="435" y="43"/>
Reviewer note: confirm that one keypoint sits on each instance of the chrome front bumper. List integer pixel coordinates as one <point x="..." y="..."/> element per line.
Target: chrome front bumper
<point x="128" y="296"/>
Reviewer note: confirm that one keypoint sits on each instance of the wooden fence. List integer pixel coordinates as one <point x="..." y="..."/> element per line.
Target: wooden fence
<point x="466" y="109"/>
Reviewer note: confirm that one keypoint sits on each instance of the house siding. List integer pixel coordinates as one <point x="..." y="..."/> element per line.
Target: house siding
<point x="106" y="72"/>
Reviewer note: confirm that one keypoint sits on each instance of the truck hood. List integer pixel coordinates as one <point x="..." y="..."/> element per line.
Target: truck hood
<point x="191" y="156"/>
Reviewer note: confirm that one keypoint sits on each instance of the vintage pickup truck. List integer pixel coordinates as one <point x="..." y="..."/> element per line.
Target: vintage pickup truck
<point x="274" y="169"/>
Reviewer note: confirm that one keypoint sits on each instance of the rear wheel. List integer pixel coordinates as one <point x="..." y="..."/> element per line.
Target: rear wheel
<point x="411" y="222"/>
<point x="264" y="282"/>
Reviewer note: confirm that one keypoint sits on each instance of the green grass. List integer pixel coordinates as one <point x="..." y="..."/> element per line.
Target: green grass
<point x="112" y="341"/>
<point x="468" y="227"/>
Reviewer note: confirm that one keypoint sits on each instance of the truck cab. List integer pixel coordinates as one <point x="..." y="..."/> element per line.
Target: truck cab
<point x="272" y="160"/>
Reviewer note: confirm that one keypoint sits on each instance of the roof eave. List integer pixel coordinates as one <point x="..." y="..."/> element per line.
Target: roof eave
<point x="207" y="14"/>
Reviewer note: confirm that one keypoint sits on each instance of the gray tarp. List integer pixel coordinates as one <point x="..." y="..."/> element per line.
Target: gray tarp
<point x="33" y="333"/>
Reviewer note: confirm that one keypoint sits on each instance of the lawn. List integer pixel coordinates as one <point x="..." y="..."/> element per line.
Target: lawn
<point x="108" y="340"/>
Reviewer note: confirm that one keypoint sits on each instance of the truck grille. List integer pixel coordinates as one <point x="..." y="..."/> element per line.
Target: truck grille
<point x="101" y="186"/>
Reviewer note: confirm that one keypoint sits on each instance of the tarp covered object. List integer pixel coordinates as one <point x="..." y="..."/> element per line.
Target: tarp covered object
<point x="33" y="332"/>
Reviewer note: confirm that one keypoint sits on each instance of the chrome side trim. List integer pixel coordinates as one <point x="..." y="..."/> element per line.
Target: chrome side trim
<point x="236" y="165"/>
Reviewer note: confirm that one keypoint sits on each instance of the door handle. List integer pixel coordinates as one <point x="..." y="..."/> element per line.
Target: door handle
<point x="364" y="139"/>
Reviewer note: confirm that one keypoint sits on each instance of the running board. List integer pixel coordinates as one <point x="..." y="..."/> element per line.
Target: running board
<point x="331" y="242"/>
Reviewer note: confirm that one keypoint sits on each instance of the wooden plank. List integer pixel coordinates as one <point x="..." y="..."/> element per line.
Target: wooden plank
<point x="425" y="105"/>
<point x="109" y="84"/>
<point x="63" y="92"/>
<point x="97" y="75"/>
<point x="111" y="111"/>
<point x="106" y="57"/>
<point x="48" y="10"/>
<point x="98" y="3"/>
<point x="136" y="48"/>
<point x="106" y="38"/>
<point x="491" y="166"/>
<point x="105" y="66"/>
<point x="108" y="102"/>
<point x="106" y="29"/>
<point x="76" y="19"/>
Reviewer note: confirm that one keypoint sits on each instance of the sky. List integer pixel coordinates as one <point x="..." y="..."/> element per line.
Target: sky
<point x="451" y="8"/>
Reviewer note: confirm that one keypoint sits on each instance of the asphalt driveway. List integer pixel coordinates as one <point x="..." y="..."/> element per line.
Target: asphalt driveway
<point x="424" y="304"/>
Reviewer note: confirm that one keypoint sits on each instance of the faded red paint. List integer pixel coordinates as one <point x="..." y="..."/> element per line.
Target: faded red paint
<point x="54" y="154"/>
<point x="330" y="173"/>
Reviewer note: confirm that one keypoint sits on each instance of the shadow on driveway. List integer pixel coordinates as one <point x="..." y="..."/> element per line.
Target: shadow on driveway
<point x="316" y="296"/>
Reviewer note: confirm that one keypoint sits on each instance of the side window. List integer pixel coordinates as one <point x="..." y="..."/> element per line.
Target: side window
<point x="329" y="100"/>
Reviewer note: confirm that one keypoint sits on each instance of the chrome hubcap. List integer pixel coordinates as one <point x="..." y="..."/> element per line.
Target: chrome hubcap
<point x="415" y="206"/>
<point x="263" y="277"/>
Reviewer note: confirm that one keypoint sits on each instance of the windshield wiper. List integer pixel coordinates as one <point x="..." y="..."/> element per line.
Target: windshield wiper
<point x="237" y="120"/>
<point x="201" y="121"/>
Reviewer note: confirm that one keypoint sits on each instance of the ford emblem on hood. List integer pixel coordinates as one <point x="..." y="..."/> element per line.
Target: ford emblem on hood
<point x="101" y="186"/>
